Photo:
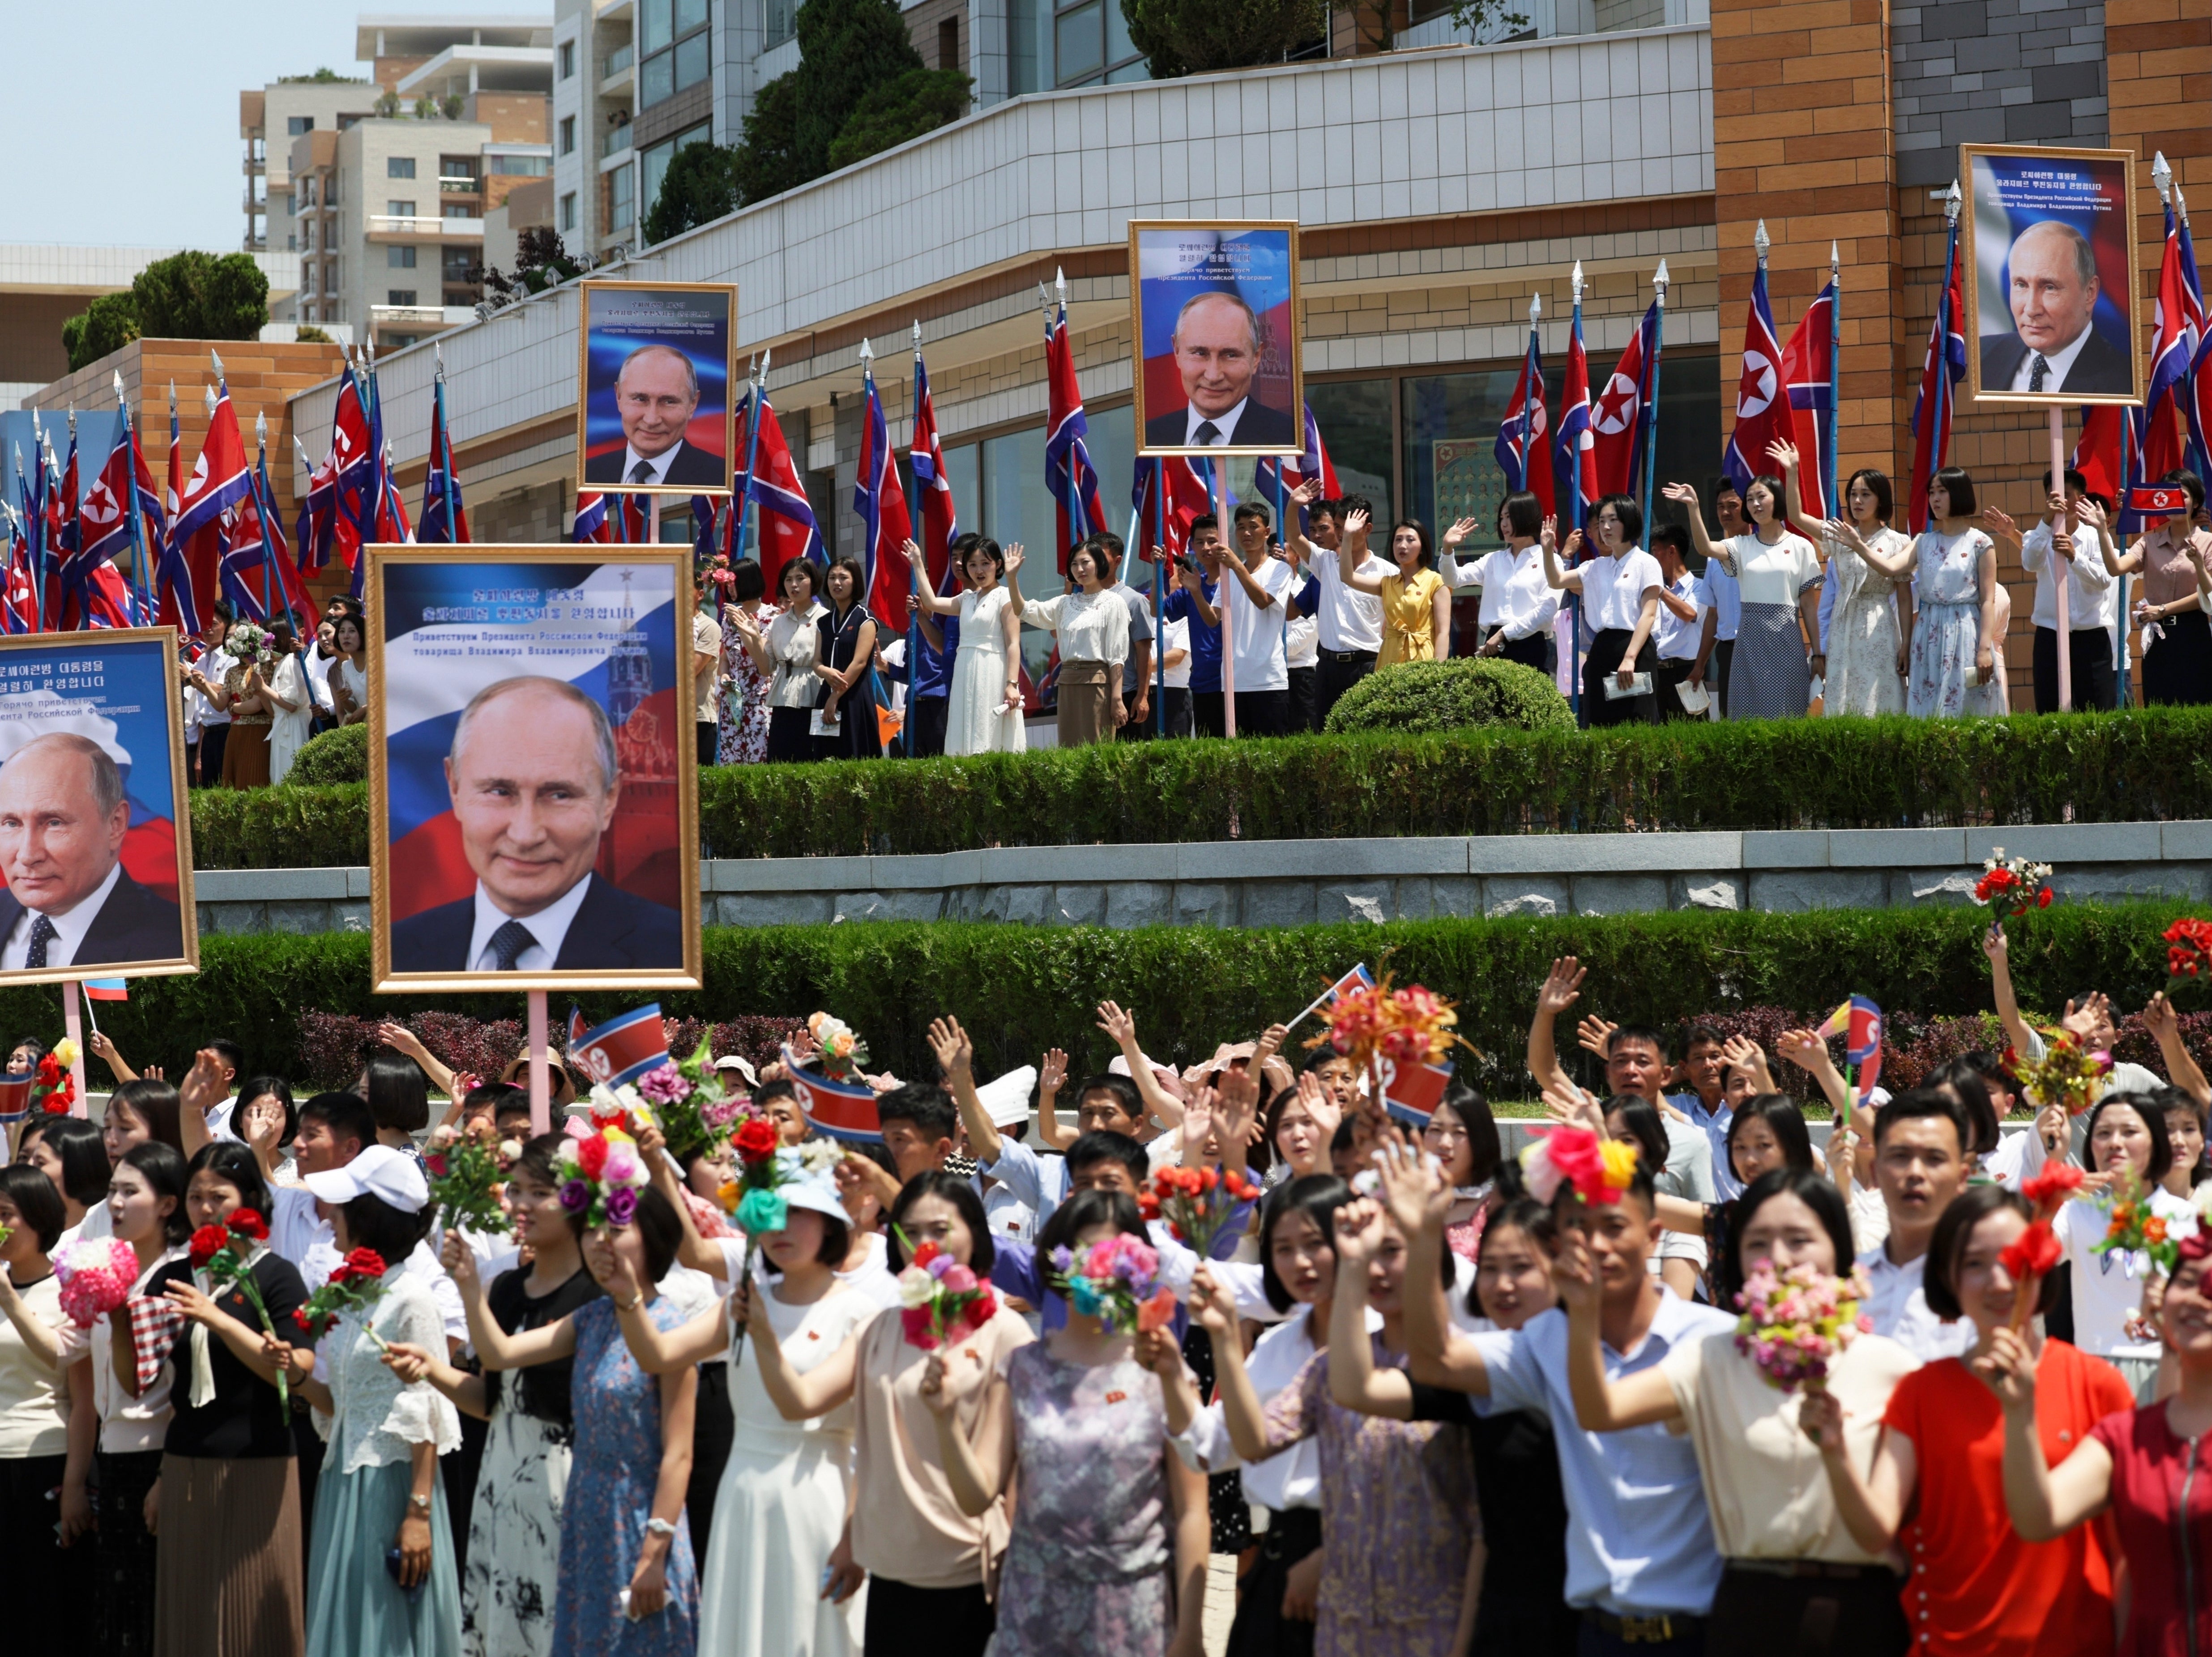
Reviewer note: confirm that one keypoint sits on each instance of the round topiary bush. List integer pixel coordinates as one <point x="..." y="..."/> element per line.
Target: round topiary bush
<point x="339" y="756"/>
<point x="1450" y="696"/>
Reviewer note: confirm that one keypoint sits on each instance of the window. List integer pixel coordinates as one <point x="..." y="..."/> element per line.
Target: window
<point x="656" y="82"/>
<point x="777" y="25"/>
<point x="307" y="236"/>
<point x="680" y="25"/>
<point x="400" y="210"/>
<point x="1091" y="44"/>
<point x="519" y="166"/>
<point x="948" y="44"/>
<point x="689" y="15"/>
<point x="568" y="211"/>
<point x="691" y="66"/>
<point x="568" y="60"/>
<point x="399" y="296"/>
<point x="459" y="210"/>
<point x="654" y="18"/>
<point x="399" y="258"/>
<point x="458" y="264"/>
<point x="330" y="191"/>
<point x="567" y="135"/>
<point x="400" y="167"/>
<point x="622" y="202"/>
<point x="296" y="125"/>
<point x="307" y="191"/>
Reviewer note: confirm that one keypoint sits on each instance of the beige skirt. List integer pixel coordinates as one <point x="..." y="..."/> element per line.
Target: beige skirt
<point x="228" y="1584"/>
<point x="1086" y="702"/>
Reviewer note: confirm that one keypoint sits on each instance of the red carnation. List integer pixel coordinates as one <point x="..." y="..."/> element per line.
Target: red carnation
<point x="925" y="1254"/>
<point x="592" y="1156"/>
<point x="56" y="1105"/>
<point x="2032" y="1254"/>
<point x="300" y="1316"/>
<point x="435" y="1163"/>
<point x="49" y="1071"/>
<point x="365" y="1263"/>
<point x="2057" y="1182"/>
<point x="2043" y="899"/>
<point x="207" y="1241"/>
<point x="757" y="1141"/>
<point x="248" y="1223"/>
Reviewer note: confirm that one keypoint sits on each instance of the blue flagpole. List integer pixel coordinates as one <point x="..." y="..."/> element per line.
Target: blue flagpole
<point x="1159" y="598"/>
<point x="1835" y="380"/>
<point x="920" y="519"/>
<point x="752" y="452"/>
<point x="1651" y="411"/>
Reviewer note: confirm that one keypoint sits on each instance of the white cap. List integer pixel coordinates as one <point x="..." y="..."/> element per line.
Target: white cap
<point x="1006" y="1100"/>
<point x="738" y="1062"/>
<point x="380" y="1172"/>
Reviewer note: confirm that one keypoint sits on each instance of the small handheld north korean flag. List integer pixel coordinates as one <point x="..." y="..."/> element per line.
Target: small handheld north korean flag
<point x="622" y="1049"/>
<point x="1357" y="979"/>
<point x="1858" y="1021"/>
<point x="845" y="1111"/>
<point x="15" y="1097"/>
<point x="1411" y="1093"/>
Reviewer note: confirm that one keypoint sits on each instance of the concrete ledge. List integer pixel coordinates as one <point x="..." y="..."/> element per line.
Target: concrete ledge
<point x="1266" y="883"/>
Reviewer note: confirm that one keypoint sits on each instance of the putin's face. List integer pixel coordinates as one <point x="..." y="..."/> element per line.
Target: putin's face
<point x="2051" y="300"/>
<point x="55" y="846"/>
<point x="530" y="797"/>
<point x="1215" y="356"/>
<point x="655" y="395"/>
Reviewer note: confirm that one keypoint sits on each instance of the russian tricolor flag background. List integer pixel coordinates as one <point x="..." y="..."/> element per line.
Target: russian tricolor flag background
<point x="609" y="630"/>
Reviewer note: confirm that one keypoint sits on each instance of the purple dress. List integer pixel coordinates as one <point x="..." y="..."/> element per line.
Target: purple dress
<point x="1399" y="1501"/>
<point x="1090" y="1567"/>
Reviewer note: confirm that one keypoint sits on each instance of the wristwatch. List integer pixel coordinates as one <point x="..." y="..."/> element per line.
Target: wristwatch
<point x="420" y="1504"/>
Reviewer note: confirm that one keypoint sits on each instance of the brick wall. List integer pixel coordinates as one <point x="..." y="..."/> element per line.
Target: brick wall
<point x="1994" y="72"/>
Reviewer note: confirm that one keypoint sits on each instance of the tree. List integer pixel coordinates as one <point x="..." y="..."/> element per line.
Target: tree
<point x="699" y="186"/>
<point x="387" y="106"/>
<point x="195" y="295"/>
<point x="1486" y="20"/>
<point x="846" y="50"/>
<point x="921" y="100"/>
<point x="308" y="334"/>
<point x="322" y="77"/>
<point x="767" y="161"/>
<point x="108" y="323"/>
<point x="1198" y="36"/>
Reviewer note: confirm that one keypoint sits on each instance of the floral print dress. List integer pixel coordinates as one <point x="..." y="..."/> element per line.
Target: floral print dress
<point x="742" y="737"/>
<point x="1946" y="633"/>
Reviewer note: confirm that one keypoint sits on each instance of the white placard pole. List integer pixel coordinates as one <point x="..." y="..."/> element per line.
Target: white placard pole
<point x="2061" y="569"/>
<point x="541" y="1117"/>
<point x="1221" y="597"/>
<point x="73" y="1025"/>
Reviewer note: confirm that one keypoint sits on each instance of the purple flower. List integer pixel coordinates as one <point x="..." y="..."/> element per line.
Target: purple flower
<point x="575" y="1196"/>
<point x="1063" y="1259"/>
<point x="622" y="1205"/>
<point x="664" y="1084"/>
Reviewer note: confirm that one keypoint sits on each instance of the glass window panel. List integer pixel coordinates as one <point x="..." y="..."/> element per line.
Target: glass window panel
<point x="691" y="62"/>
<point x="1354" y="416"/>
<point x="657" y="80"/>
<point x="400" y="167"/>
<point x="652" y="25"/>
<point x="1029" y="24"/>
<point x="964" y="466"/>
<point x="1114" y="452"/>
<point x="654" y="166"/>
<point x="1079" y="41"/>
<point x="689" y="15"/>
<point x="1690" y="400"/>
<point x="1460" y="412"/>
<point x="1015" y="506"/>
<point x="775" y="22"/>
<point x="1139" y="70"/>
<point x="1119" y="46"/>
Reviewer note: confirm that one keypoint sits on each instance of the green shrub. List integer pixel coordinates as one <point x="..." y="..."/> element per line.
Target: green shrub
<point x="2148" y="766"/>
<point x="1022" y="990"/>
<point x="335" y="757"/>
<point x="1467" y="693"/>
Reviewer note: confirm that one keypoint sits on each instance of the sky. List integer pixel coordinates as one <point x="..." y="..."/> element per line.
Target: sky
<point x="141" y="97"/>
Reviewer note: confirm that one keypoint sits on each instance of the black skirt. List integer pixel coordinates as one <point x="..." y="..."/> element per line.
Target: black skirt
<point x="1260" y="1628"/>
<point x="1604" y="659"/>
<point x="1842" y="1612"/>
<point x="789" y="736"/>
<point x="2176" y="670"/>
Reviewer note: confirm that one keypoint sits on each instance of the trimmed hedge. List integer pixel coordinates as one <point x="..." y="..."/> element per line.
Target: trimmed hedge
<point x="1022" y="989"/>
<point x="2145" y="765"/>
<point x="339" y="756"/>
<point x="1466" y="693"/>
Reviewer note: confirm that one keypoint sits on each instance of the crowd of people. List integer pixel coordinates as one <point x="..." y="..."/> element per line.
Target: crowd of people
<point x="1427" y="1404"/>
<point x="253" y="696"/>
<point x="1851" y="614"/>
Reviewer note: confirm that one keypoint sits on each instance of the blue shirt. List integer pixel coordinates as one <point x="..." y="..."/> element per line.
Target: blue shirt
<point x="1205" y="641"/>
<point x="1639" y="1540"/>
<point x="1714" y="1125"/>
<point x="933" y="669"/>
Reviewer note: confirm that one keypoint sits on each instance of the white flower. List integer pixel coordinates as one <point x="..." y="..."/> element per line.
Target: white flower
<point x="916" y="1287"/>
<point x="819" y="1155"/>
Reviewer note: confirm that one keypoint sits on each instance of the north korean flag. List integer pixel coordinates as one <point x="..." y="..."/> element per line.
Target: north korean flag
<point x="880" y="502"/>
<point x="1762" y="411"/>
<point x="1620" y="419"/>
<point x="1521" y="434"/>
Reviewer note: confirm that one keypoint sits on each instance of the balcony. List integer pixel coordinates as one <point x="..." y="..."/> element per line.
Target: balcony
<point x="615" y="142"/>
<point x="617" y="66"/>
<point x="418" y="318"/>
<point x="420" y="227"/>
<point x="462" y="185"/>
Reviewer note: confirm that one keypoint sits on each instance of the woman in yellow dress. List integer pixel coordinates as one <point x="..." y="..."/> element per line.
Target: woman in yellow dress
<point x="1416" y="603"/>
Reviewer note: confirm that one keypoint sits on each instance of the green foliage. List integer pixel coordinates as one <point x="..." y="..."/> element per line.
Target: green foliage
<point x="322" y="77"/>
<point x="767" y="162"/>
<point x="387" y="106"/>
<point x="1458" y="695"/>
<point x="288" y="828"/>
<point x="1021" y="990"/>
<point x="849" y="50"/>
<point x="1196" y="37"/>
<point x="308" y="334"/>
<point x="108" y="323"/>
<point x="2145" y="766"/>
<point x="921" y="100"/>
<point x="335" y="757"/>
<point x="699" y="187"/>
<point x="195" y="296"/>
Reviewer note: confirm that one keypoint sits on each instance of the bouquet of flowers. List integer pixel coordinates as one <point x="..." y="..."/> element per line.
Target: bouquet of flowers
<point x="756" y="1197"/>
<point x="1599" y="1169"/>
<point x="225" y="1255"/>
<point x="2015" y="885"/>
<point x="942" y="1302"/>
<point x="2066" y="1074"/>
<point x="465" y="1182"/>
<point x="355" y="1286"/>
<point x="2187" y="952"/>
<point x="695" y="1112"/>
<point x="603" y="1172"/>
<point x="55" y="1090"/>
<point x="1797" y="1323"/>
<point x="96" y="1278"/>
<point x="1115" y="1281"/>
<point x="840" y="1051"/>
<point x="1196" y="1203"/>
<point x="2027" y="1258"/>
<point x="249" y="642"/>
<point x="2132" y="1228"/>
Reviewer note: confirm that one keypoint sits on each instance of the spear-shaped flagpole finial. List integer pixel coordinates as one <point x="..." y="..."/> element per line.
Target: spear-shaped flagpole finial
<point x="1535" y="308"/>
<point x="1761" y="241"/>
<point x="1577" y="280"/>
<point x="1059" y="284"/>
<point x="1953" y="201"/>
<point x="1835" y="263"/>
<point x="438" y="356"/>
<point x="218" y="363"/>
<point x="867" y="356"/>
<point x="1660" y="279"/>
<point x="767" y="352"/>
<point x="209" y="390"/>
<point x="261" y="428"/>
<point x="917" y="336"/>
<point x="2162" y="176"/>
<point x="173" y="396"/>
<point x="118" y="386"/>
<point x="72" y="418"/>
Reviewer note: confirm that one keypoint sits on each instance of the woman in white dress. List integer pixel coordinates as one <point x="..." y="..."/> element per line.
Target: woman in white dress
<point x="1957" y="629"/>
<point x="350" y="673"/>
<point x="1871" y="626"/>
<point x="1771" y="676"/>
<point x="788" y="1483"/>
<point x="1093" y="625"/>
<point x="986" y="712"/>
<point x="291" y="705"/>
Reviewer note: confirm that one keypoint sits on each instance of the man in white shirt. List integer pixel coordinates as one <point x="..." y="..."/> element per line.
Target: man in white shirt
<point x="203" y="680"/>
<point x="1716" y="646"/>
<point x="1683" y="605"/>
<point x="318" y="664"/>
<point x="1258" y="598"/>
<point x="1348" y="624"/>
<point x="1920" y="1165"/>
<point x="2061" y="541"/>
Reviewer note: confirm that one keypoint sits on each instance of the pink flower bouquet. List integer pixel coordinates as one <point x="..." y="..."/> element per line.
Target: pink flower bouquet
<point x="1795" y="1323"/>
<point x="96" y="1278"/>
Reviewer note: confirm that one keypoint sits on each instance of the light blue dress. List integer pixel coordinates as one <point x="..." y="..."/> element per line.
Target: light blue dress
<point x="617" y="1463"/>
<point x="1946" y="633"/>
<point x="355" y="1606"/>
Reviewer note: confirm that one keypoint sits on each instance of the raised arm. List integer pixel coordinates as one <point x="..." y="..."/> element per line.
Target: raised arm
<point x="1603" y="1405"/>
<point x="1051" y="1076"/>
<point x="1562" y="989"/>
<point x="1160" y="1104"/>
<point x="1351" y="551"/>
<point x="1353" y="1380"/>
<point x="1686" y="495"/>
<point x="658" y="1352"/>
<point x="496" y="1347"/>
<point x="414" y="1363"/>
<point x="1437" y="1353"/>
<point x="797" y="1397"/>
<point x="2181" y="1066"/>
<point x="1897" y="567"/>
<point x="1872" y="1503"/>
<point x="977" y="1465"/>
<point x="1784" y="454"/>
<point x="956" y="1056"/>
<point x="2023" y="1039"/>
<point x="935" y="603"/>
<point x="1233" y="560"/>
<point x="1214" y="1309"/>
<point x="397" y="1036"/>
<point x="1562" y="580"/>
<point x="2044" y="1503"/>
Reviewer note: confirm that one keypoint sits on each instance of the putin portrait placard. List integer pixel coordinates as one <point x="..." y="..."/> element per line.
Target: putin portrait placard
<point x="2049" y="247"/>
<point x="96" y="856"/>
<point x="653" y="410"/>
<point x="1214" y="313"/>
<point x="532" y="798"/>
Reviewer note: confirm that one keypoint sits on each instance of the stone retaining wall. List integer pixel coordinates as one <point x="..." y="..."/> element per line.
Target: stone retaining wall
<point x="1299" y="882"/>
